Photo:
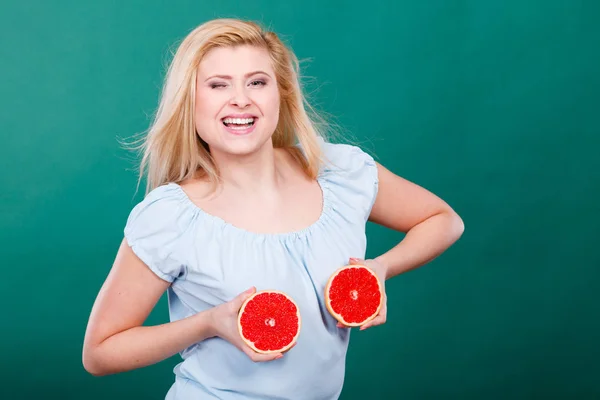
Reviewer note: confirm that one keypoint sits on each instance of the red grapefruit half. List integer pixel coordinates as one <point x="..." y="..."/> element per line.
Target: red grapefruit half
<point x="353" y="295"/>
<point x="269" y="322"/>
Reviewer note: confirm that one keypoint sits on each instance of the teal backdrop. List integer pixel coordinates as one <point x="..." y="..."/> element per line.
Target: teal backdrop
<point x="493" y="105"/>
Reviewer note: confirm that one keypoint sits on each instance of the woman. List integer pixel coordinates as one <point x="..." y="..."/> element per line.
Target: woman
<point x="243" y="194"/>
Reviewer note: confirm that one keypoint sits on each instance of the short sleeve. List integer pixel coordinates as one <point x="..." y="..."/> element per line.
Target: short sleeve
<point x="352" y="176"/>
<point x="155" y="228"/>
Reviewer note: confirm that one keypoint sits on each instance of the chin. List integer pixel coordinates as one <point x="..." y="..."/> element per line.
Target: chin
<point x="240" y="149"/>
<point x="242" y="146"/>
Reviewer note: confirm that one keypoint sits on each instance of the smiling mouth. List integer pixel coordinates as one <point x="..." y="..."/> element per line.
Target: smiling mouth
<point x="239" y="123"/>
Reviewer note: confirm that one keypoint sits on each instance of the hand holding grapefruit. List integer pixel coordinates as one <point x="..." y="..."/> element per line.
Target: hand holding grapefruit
<point x="225" y="323"/>
<point x="355" y="294"/>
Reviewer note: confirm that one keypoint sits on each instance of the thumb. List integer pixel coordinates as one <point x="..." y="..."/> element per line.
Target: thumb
<point x="357" y="261"/>
<point x="240" y="298"/>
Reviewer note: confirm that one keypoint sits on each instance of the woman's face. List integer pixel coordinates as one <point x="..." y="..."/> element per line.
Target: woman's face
<point x="237" y="100"/>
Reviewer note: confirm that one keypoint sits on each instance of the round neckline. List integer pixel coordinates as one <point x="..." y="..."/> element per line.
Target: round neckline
<point x="276" y="235"/>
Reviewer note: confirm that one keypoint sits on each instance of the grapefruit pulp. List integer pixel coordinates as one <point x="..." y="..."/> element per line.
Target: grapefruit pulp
<point x="269" y="322"/>
<point x="353" y="295"/>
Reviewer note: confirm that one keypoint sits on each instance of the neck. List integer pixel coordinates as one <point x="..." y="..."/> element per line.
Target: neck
<point x="255" y="172"/>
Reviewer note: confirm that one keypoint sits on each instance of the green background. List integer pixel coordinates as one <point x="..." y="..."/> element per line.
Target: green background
<point x="493" y="105"/>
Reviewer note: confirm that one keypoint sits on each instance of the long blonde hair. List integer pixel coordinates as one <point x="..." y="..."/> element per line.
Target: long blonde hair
<point x="173" y="151"/>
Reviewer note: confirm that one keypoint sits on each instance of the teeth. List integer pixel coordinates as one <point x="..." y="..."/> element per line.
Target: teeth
<point x="239" y="121"/>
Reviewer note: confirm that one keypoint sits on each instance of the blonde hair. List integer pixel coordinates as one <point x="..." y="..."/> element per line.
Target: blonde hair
<point x="173" y="151"/>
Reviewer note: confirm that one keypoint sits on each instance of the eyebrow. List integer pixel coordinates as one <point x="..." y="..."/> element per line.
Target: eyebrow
<point x="249" y="74"/>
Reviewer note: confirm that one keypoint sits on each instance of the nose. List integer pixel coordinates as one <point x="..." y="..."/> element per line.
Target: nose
<point x="239" y="98"/>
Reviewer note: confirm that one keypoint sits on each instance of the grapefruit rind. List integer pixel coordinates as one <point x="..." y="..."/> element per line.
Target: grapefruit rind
<point x="337" y="316"/>
<point x="250" y="343"/>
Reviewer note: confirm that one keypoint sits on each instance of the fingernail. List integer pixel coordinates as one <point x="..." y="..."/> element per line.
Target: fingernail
<point x="353" y="259"/>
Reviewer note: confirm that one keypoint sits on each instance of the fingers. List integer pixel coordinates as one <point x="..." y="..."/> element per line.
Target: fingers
<point x="259" y="357"/>
<point x="379" y="320"/>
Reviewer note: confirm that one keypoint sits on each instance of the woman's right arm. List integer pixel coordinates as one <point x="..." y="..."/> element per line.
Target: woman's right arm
<point x="115" y="340"/>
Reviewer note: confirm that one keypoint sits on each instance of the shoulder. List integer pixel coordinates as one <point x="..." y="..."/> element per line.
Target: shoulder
<point x="348" y="161"/>
<point x="156" y="226"/>
<point x="165" y="207"/>
<point x="351" y="174"/>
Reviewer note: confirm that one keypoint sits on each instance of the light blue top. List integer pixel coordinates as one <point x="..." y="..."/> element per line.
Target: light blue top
<point x="210" y="261"/>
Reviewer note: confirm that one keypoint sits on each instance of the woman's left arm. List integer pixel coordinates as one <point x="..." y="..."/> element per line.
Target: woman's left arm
<point x="431" y="225"/>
